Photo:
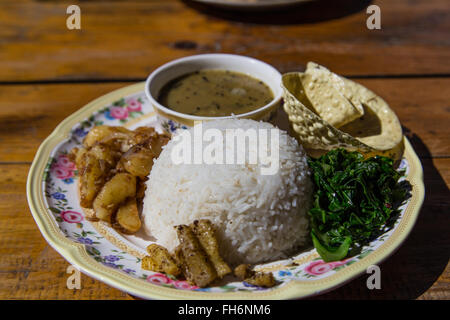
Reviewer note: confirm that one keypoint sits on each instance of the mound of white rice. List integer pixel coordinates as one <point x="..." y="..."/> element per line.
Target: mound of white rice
<point x="258" y="217"/>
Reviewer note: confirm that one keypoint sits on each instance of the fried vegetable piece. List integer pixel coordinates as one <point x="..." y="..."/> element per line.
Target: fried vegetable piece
<point x="76" y="155"/>
<point x="178" y="255"/>
<point x="126" y="156"/>
<point x="142" y="134"/>
<point x="113" y="194"/>
<point x="260" y="279"/>
<point x="160" y="260"/>
<point x="105" y="153"/>
<point x="205" y="233"/>
<point x="141" y="187"/>
<point x="243" y="271"/>
<point x="127" y="218"/>
<point x="93" y="173"/>
<point x="197" y="268"/>
<point x="155" y="143"/>
<point x="105" y="134"/>
<point x="73" y="154"/>
<point x="79" y="157"/>
<point x="138" y="161"/>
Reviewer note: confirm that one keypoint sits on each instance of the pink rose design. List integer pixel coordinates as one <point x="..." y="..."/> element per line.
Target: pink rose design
<point x="118" y="113"/>
<point x="133" y="105"/>
<point x="62" y="173"/>
<point x="158" y="279"/>
<point x="318" y="267"/>
<point x="64" y="162"/>
<point x="339" y="263"/>
<point x="71" y="216"/>
<point x="181" y="284"/>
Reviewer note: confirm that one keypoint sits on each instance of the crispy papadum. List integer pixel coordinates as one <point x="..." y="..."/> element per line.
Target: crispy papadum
<point x="377" y="132"/>
<point x="325" y="91"/>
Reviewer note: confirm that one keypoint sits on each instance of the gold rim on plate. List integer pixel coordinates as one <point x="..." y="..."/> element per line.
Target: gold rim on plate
<point x="76" y="254"/>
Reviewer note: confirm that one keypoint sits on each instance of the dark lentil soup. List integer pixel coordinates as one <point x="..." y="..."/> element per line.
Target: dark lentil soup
<point x="215" y="93"/>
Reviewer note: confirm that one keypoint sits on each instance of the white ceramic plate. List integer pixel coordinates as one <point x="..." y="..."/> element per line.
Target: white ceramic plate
<point x="108" y="256"/>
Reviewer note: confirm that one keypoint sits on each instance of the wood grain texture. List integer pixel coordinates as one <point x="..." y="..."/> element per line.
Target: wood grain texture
<point x="413" y="40"/>
<point x="29" y="113"/>
<point x="47" y="72"/>
<point x="31" y="269"/>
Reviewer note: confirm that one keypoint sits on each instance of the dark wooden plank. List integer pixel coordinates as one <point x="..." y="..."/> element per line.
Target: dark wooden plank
<point x="31" y="269"/>
<point x="128" y="39"/>
<point x="28" y="114"/>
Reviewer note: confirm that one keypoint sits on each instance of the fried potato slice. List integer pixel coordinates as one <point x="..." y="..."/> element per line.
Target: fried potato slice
<point x="178" y="255"/>
<point x="138" y="161"/>
<point x="113" y="165"/>
<point x="113" y="193"/>
<point x="243" y="271"/>
<point x="160" y="260"/>
<point x="142" y="134"/>
<point x="79" y="158"/>
<point x="197" y="268"/>
<point x="206" y="234"/>
<point x="127" y="218"/>
<point x="105" y="153"/>
<point x="76" y="155"/>
<point x="260" y="279"/>
<point x="94" y="166"/>
<point x="141" y="188"/>
<point x="93" y="173"/>
<point x="103" y="133"/>
<point x="155" y="143"/>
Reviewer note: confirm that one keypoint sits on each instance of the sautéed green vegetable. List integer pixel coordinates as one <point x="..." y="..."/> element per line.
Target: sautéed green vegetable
<point x="354" y="201"/>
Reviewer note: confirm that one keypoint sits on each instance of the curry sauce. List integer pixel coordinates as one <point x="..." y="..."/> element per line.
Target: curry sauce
<point x="215" y="93"/>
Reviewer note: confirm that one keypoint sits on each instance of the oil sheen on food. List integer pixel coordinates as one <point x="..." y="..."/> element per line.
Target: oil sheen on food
<point x="215" y="93"/>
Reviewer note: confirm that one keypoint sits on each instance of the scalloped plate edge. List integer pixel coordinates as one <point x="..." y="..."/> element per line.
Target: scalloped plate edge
<point x="76" y="254"/>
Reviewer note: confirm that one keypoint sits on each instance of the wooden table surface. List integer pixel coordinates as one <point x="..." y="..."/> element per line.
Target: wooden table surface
<point x="47" y="72"/>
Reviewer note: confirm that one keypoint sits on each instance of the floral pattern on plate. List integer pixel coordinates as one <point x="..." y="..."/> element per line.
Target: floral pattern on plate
<point x="62" y="202"/>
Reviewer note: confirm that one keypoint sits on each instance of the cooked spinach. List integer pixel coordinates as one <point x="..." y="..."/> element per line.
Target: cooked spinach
<point x="354" y="201"/>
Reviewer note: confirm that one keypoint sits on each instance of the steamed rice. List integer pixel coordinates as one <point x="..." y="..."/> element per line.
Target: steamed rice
<point x="258" y="217"/>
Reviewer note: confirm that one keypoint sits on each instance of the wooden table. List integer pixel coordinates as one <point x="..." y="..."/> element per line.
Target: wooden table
<point x="47" y="72"/>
